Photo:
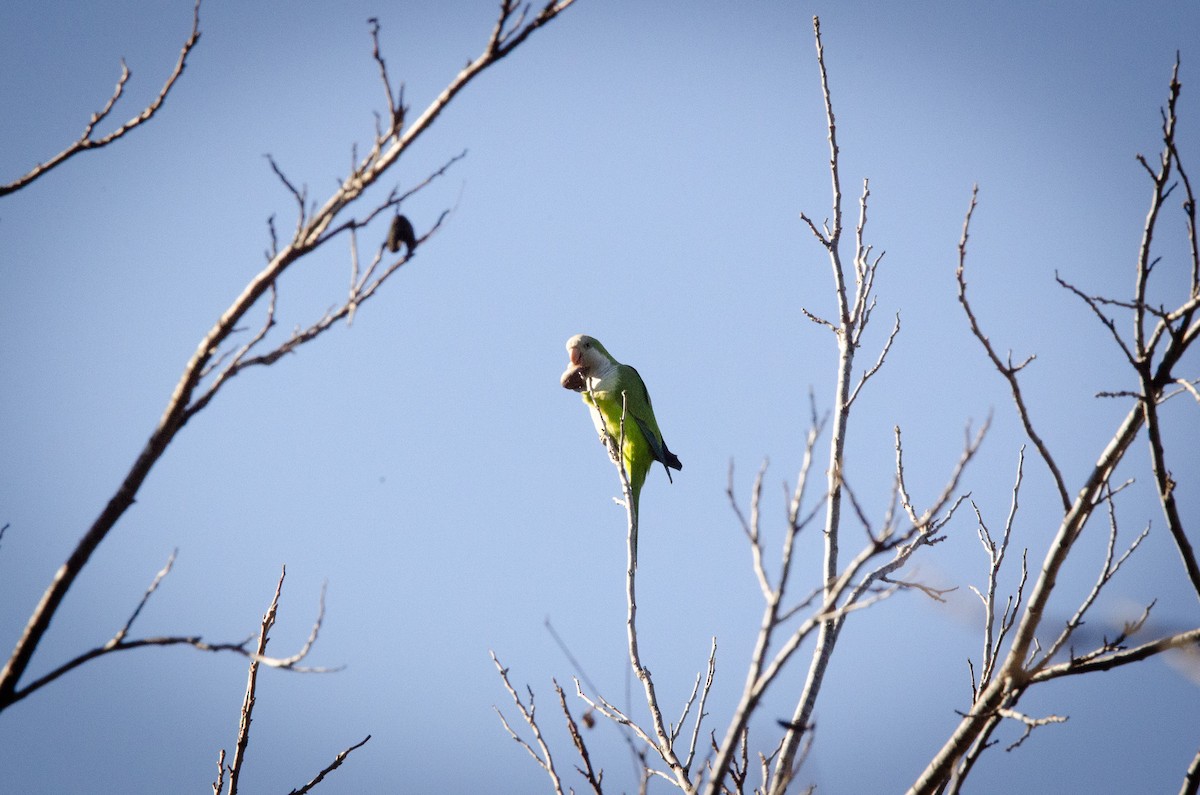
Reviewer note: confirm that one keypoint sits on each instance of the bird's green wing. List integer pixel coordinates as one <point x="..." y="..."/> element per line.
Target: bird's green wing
<point x="639" y="407"/>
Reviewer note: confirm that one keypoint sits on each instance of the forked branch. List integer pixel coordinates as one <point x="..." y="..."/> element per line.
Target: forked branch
<point x="1155" y="352"/>
<point x="312" y="230"/>
<point x="120" y="641"/>
<point x="1006" y="368"/>
<point x="87" y="141"/>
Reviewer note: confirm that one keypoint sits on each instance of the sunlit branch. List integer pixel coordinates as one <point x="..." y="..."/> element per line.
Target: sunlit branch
<point x="1006" y="368"/>
<point x="529" y="715"/>
<point x="332" y="766"/>
<point x="313" y="224"/>
<point x="86" y="141"/>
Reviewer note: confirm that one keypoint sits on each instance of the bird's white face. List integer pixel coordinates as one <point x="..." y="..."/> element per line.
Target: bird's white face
<point x="586" y="359"/>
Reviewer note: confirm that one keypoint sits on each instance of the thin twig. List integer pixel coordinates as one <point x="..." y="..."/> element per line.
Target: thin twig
<point x="243" y="735"/>
<point x="86" y="142"/>
<point x="219" y="784"/>
<point x="593" y="779"/>
<point x="700" y="713"/>
<point x="332" y="766"/>
<point x="1108" y="570"/>
<point x="120" y="642"/>
<point x="887" y="346"/>
<point x="1007" y="369"/>
<point x="529" y="715"/>
<point x="1029" y="722"/>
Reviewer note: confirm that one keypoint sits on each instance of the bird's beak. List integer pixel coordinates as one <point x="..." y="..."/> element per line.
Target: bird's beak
<point x="575" y="376"/>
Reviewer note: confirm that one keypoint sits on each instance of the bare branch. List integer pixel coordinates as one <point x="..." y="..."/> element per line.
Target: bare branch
<point x="1107" y="571"/>
<point x="1094" y="303"/>
<point x="299" y="195"/>
<point x="394" y="200"/>
<point x="593" y="779"/>
<point x="662" y="743"/>
<point x="926" y="522"/>
<point x="311" y="232"/>
<point x="1108" y="661"/>
<point x="219" y="784"/>
<point x="1013" y="677"/>
<point x="1030" y="723"/>
<point x="751" y="528"/>
<point x="332" y="766"/>
<point x="820" y="321"/>
<point x="1161" y="177"/>
<point x="395" y="103"/>
<point x="1008" y="370"/>
<point x="86" y="142"/>
<point x="290" y="662"/>
<point x="936" y="594"/>
<point x="158" y="578"/>
<point x="865" y="268"/>
<point x="996" y="554"/>
<point x="615" y="714"/>
<point x="544" y="760"/>
<point x="700" y="713"/>
<point x="1191" y="779"/>
<point x="1144" y="349"/>
<point x="832" y="236"/>
<point x="773" y="615"/>
<point x="887" y="346"/>
<point x="1166" y="487"/>
<point x="817" y="233"/>
<point x="1188" y="386"/>
<point x="243" y="735"/>
<point x="119" y="642"/>
<point x="827" y="634"/>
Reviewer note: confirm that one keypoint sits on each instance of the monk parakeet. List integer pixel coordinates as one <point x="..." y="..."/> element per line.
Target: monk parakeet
<point x="594" y="372"/>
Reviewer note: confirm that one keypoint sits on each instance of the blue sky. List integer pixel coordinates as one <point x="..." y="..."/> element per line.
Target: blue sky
<point x="634" y="172"/>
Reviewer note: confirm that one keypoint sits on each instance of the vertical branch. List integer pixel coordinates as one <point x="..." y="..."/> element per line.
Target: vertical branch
<point x="758" y="675"/>
<point x="1161" y="178"/>
<point x="1151" y="388"/>
<point x="1189" y="202"/>
<point x="663" y="745"/>
<point x="663" y="740"/>
<point x="243" y="736"/>
<point x="996" y="554"/>
<point x="700" y="713"/>
<point x="219" y="784"/>
<point x="848" y="330"/>
<point x="832" y="236"/>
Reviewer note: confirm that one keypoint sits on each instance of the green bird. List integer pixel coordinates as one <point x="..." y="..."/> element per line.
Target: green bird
<point x="596" y="374"/>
